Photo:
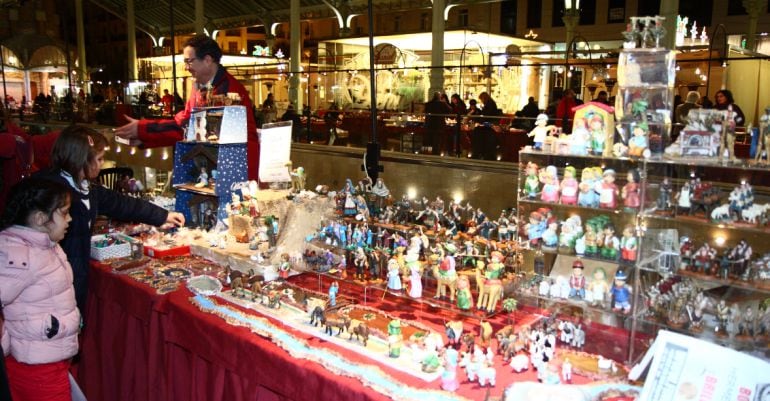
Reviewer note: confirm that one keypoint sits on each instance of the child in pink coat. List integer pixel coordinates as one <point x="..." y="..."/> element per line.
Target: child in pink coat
<point x="41" y="317"/>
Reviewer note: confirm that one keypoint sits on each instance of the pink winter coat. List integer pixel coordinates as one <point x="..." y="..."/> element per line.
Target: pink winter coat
<point x="35" y="284"/>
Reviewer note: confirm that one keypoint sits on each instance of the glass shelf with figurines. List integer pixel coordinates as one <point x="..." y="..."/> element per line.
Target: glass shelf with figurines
<point x="705" y="226"/>
<point x="716" y="313"/>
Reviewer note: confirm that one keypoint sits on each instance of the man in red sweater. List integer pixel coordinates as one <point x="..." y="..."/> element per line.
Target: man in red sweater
<point x="201" y="60"/>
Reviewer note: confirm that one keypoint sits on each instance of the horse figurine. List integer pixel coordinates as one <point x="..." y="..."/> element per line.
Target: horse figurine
<point x="341" y="322"/>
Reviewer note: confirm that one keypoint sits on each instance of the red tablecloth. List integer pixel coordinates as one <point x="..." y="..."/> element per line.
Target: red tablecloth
<point x="138" y="345"/>
<point x="119" y="357"/>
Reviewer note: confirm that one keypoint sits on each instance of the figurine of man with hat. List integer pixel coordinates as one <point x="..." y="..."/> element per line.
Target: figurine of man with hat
<point x="621" y="293"/>
<point x="541" y="130"/>
<point x="577" y="282"/>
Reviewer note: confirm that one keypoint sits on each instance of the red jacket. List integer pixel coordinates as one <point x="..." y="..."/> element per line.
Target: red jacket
<point x="155" y="133"/>
<point x="22" y="154"/>
<point x="564" y="111"/>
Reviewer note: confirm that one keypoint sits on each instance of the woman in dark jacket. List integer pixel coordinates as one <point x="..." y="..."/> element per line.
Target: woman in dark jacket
<point x="76" y="159"/>
<point x="724" y="98"/>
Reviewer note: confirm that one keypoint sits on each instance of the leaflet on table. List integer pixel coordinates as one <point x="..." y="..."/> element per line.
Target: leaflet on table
<point x="685" y="368"/>
<point x="275" y="152"/>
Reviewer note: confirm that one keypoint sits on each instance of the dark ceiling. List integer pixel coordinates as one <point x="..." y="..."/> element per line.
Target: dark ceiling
<point x="153" y="16"/>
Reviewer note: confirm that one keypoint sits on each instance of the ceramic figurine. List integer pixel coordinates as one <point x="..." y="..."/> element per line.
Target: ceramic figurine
<point x="285" y="267"/>
<point x="598" y="134"/>
<point x="740" y="256"/>
<point x="298" y="180"/>
<point x="571" y="230"/>
<point x="503" y="232"/>
<point x="620" y="293"/>
<point x="492" y="290"/>
<point x="395" y="338"/>
<point x="577" y="282"/>
<point x="550" y="237"/>
<point x="664" y="195"/>
<point x="580" y="139"/>
<point x="569" y="187"/>
<point x="608" y="191"/>
<point x="628" y="245"/>
<point x="535" y="228"/>
<point x="550" y="179"/>
<point x="704" y="258"/>
<point x="394" y="279"/>
<point x="359" y="261"/>
<point x="449" y="380"/>
<point x="203" y="179"/>
<point x="589" y="244"/>
<point x="598" y="288"/>
<point x="684" y="199"/>
<point x="630" y="192"/>
<point x="541" y="131"/>
<point x="728" y="135"/>
<point x="611" y="244"/>
<point x="589" y="178"/>
<point x="464" y="295"/>
<point x="638" y="142"/>
<point x="532" y="181"/>
<point x="415" y="275"/>
<point x="334" y="289"/>
<point x="746" y="324"/>
<point x="723" y="317"/>
<point x="445" y="273"/>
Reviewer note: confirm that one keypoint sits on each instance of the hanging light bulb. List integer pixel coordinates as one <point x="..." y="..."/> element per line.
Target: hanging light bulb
<point x="697" y="70"/>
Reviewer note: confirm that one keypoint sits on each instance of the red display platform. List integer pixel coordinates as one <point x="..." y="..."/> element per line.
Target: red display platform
<point x="138" y="345"/>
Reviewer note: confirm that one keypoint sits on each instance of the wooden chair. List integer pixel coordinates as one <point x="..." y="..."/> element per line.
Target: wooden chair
<point x="111" y="177"/>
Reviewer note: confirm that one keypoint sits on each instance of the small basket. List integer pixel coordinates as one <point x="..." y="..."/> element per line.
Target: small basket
<point x="127" y="248"/>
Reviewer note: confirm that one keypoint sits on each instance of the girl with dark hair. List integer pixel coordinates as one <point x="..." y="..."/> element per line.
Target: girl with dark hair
<point x="42" y="321"/>
<point x="76" y="159"/>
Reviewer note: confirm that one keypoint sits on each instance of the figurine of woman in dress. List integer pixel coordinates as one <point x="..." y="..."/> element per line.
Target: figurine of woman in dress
<point x="630" y="192"/>
<point x="394" y="279"/>
<point x="569" y="186"/>
<point x="588" y="197"/>
<point x="580" y="139"/>
<point x="203" y="179"/>
<point x="550" y="179"/>
<point x="608" y="190"/>
<point x="415" y="274"/>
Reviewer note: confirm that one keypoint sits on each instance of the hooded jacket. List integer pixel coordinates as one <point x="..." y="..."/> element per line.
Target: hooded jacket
<point x="36" y="285"/>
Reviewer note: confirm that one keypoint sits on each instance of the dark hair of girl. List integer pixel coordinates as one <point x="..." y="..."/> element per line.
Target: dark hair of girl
<point x="32" y="195"/>
<point x="76" y="148"/>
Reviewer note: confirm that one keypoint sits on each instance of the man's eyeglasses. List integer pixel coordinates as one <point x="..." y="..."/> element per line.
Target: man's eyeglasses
<point x="189" y="61"/>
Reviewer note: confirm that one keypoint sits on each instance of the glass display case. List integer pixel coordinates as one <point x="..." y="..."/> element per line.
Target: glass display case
<point x="686" y="237"/>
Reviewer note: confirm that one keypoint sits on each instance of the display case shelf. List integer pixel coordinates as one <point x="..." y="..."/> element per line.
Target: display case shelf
<point x="656" y="263"/>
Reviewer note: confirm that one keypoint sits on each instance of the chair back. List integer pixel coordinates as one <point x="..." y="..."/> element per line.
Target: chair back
<point x="111" y="177"/>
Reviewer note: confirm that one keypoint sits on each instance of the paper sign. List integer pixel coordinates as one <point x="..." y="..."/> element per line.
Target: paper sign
<point x="275" y="152"/>
<point x="686" y="368"/>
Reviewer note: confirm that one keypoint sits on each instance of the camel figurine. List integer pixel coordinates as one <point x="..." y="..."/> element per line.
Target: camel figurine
<point x="492" y="289"/>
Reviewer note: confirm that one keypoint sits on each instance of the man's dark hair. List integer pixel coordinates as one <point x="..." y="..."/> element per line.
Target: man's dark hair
<point x="204" y="46"/>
